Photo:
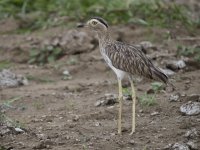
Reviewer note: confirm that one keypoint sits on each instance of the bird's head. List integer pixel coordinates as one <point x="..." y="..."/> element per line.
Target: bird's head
<point x="96" y="23"/>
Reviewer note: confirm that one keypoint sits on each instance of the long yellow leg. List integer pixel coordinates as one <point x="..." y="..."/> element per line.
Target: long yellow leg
<point x="133" y="107"/>
<point x="120" y="107"/>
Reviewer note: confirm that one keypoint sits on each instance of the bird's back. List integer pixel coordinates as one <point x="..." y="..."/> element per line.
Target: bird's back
<point x="132" y="60"/>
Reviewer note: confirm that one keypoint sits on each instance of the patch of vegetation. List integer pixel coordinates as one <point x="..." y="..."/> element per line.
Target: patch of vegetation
<point x="39" y="79"/>
<point x="126" y="91"/>
<point x="38" y="105"/>
<point x="72" y="60"/>
<point x="5" y="65"/>
<point x="193" y="52"/>
<point x="15" y="123"/>
<point x="84" y="147"/>
<point x="46" y="55"/>
<point x="8" y="103"/>
<point x="50" y="12"/>
<point x="157" y="86"/>
<point x="2" y="148"/>
<point x="4" y="119"/>
<point x="147" y="100"/>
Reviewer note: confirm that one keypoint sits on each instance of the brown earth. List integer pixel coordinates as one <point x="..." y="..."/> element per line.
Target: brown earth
<point x="60" y="114"/>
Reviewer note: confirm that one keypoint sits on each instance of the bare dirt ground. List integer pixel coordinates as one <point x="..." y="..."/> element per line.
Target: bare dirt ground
<point x="61" y="114"/>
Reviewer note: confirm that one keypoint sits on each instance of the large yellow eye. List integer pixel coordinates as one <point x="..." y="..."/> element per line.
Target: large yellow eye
<point x="94" y="22"/>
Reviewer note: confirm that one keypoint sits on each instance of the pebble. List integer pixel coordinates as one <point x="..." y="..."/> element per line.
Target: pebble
<point x="9" y="79"/>
<point x="4" y="130"/>
<point x="42" y="136"/>
<point x="178" y="146"/>
<point x="192" y="145"/>
<point x="127" y="97"/>
<point x="176" y="65"/>
<point x="66" y="73"/>
<point x="98" y="103"/>
<point x="192" y="134"/>
<point x="108" y="99"/>
<point x="132" y="142"/>
<point x="97" y="124"/>
<point x="76" y="118"/>
<point x="146" y="44"/>
<point x="174" y="97"/>
<point x="39" y="145"/>
<point x="19" y="130"/>
<point x="154" y="113"/>
<point x="168" y="72"/>
<point x="190" y="108"/>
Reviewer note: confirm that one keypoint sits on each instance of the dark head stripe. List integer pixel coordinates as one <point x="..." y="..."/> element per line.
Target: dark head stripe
<point x="101" y="20"/>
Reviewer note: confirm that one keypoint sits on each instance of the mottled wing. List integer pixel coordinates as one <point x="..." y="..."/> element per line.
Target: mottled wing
<point x="131" y="59"/>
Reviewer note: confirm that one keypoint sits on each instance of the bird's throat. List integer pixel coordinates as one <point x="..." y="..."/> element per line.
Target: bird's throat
<point x="104" y="37"/>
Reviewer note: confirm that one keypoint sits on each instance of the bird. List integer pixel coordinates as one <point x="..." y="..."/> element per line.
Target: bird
<point x="125" y="60"/>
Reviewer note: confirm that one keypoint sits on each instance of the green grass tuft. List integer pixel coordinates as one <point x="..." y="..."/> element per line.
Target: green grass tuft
<point x="5" y="65"/>
<point x="48" y="54"/>
<point x="157" y="86"/>
<point x="192" y="52"/>
<point x="147" y="100"/>
<point x="39" y="79"/>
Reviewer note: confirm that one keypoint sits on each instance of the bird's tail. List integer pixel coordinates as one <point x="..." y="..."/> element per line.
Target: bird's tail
<point x="161" y="76"/>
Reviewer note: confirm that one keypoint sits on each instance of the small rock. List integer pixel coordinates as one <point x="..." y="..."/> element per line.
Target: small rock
<point x="75" y="118"/>
<point x="176" y="65"/>
<point x="98" y="103"/>
<point x="190" y="108"/>
<point x="141" y="111"/>
<point x="108" y="99"/>
<point x="127" y="97"/>
<point x="168" y="147"/>
<point x="180" y="64"/>
<point x="4" y="130"/>
<point x="192" y="145"/>
<point x="174" y="97"/>
<point x="55" y="41"/>
<point x="40" y="145"/>
<point x="9" y="79"/>
<point x="110" y="107"/>
<point x="66" y="73"/>
<point x="168" y="72"/>
<point x="19" y="130"/>
<point x="97" y="124"/>
<point x="192" y="134"/>
<point x="154" y="113"/>
<point x="132" y="142"/>
<point x="42" y="136"/>
<point x="146" y="44"/>
<point x="178" y="146"/>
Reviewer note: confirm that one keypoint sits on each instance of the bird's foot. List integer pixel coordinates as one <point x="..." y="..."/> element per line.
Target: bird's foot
<point x="133" y="131"/>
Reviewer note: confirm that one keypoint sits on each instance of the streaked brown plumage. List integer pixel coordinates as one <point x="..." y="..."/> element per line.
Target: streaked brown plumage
<point x="123" y="59"/>
<point x="131" y="59"/>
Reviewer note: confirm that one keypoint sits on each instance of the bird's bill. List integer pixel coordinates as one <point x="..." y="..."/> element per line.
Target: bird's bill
<point x="82" y="25"/>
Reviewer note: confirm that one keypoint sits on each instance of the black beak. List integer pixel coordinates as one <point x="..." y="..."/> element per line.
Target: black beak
<point x="81" y="25"/>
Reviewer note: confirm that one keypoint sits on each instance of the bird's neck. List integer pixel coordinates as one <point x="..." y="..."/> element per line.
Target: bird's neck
<point x="104" y="38"/>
